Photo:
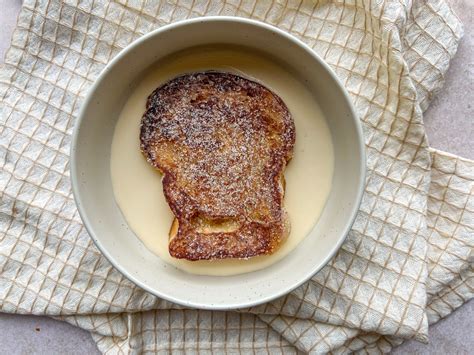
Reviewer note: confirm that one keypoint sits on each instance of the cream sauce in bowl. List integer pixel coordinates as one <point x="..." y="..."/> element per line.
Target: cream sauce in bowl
<point x="137" y="186"/>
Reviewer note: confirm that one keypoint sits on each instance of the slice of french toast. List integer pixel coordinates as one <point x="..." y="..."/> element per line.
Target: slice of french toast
<point x="222" y="143"/>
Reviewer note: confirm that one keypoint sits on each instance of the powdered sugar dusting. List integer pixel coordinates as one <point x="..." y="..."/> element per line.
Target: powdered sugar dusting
<point x="222" y="142"/>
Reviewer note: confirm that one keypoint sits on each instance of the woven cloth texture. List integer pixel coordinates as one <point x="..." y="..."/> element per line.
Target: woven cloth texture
<point x="406" y="263"/>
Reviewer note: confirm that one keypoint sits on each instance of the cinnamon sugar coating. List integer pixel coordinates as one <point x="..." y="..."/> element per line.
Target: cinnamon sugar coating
<point x="222" y="143"/>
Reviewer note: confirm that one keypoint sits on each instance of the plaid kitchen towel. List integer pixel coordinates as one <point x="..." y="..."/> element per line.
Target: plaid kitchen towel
<point x="406" y="263"/>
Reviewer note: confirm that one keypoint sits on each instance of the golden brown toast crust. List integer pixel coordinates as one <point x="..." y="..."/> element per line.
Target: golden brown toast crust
<point x="222" y="143"/>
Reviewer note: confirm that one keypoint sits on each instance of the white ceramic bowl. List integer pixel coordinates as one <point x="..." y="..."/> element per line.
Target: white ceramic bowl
<point x="91" y="181"/>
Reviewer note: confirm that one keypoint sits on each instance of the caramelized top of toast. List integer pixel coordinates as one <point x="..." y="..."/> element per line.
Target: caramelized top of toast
<point x="222" y="143"/>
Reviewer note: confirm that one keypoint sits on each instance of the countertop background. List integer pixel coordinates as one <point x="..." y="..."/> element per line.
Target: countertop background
<point x="450" y="127"/>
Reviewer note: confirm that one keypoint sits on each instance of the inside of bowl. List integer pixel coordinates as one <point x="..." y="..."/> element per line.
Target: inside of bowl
<point x="105" y="222"/>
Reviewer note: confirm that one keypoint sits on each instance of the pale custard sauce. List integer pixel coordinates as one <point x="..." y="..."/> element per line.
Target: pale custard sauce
<point x="137" y="185"/>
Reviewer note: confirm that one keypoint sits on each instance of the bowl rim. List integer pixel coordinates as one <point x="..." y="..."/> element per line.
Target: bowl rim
<point x="89" y="98"/>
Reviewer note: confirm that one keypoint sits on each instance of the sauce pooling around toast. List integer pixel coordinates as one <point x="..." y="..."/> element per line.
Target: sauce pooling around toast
<point x="137" y="185"/>
<point x="222" y="142"/>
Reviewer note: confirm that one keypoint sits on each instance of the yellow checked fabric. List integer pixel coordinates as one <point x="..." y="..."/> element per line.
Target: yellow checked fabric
<point x="407" y="261"/>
